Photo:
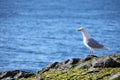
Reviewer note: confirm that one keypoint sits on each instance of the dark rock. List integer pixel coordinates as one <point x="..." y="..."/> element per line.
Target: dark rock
<point x="105" y="62"/>
<point x="23" y="74"/>
<point x="8" y="78"/>
<point x="61" y="65"/>
<point x="51" y="66"/>
<point x="72" y="61"/>
<point x="83" y="65"/>
<point x="69" y="63"/>
<point x="115" y="76"/>
<point x="89" y="57"/>
<point x="39" y="79"/>
<point x="16" y="74"/>
<point x="54" y="65"/>
<point x="91" y="70"/>
<point x="7" y="74"/>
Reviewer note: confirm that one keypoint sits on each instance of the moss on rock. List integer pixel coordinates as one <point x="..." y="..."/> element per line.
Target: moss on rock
<point x="79" y="74"/>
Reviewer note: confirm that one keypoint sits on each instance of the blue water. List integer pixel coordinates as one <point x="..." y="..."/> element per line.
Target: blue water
<point x="35" y="33"/>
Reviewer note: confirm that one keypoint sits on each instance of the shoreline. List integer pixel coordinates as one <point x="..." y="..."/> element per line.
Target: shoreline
<point x="90" y="64"/>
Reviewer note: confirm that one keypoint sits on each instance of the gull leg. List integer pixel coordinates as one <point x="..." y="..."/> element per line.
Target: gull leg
<point x="91" y="52"/>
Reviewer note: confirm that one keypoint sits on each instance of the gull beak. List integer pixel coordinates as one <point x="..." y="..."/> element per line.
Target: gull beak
<point x="79" y="30"/>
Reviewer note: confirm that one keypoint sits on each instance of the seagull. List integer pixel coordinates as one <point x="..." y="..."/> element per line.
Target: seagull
<point x="89" y="42"/>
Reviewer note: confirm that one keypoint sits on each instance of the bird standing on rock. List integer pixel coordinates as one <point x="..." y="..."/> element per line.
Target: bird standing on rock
<point x="89" y="42"/>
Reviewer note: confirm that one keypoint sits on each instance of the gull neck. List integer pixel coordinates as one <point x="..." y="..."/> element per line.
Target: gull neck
<point x="85" y="34"/>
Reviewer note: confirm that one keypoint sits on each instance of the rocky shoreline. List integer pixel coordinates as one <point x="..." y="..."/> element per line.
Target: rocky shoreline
<point x="14" y="75"/>
<point x="88" y="68"/>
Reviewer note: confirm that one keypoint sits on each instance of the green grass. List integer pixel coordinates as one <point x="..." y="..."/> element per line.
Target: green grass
<point x="53" y="74"/>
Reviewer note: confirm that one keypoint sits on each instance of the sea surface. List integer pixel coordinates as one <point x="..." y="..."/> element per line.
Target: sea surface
<point x="35" y="33"/>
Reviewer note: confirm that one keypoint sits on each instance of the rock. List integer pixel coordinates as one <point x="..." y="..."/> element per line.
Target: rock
<point x="89" y="57"/>
<point x="115" y="76"/>
<point x="51" y="66"/>
<point x="8" y="78"/>
<point x="69" y="63"/>
<point x="105" y="62"/>
<point x="41" y="79"/>
<point x="83" y="65"/>
<point x="16" y="74"/>
<point x="7" y="74"/>
<point x="91" y="70"/>
<point x="38" y="79"/>
<point x="61" y="65"/>
<point x="23" y="74"/>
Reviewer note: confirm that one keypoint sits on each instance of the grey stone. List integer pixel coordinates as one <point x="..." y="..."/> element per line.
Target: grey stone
<point x="51" y="66"/>
<point x="38" y="79"/>
<point x="89" y="57"/>
<point x="69" y="63"/>
<point x="23" y="74"/>
<point x="115" y="76"/>
<point x="8" y="78"/>
<point x="83" y="65"/>
<point x="7" y="74"/>
<point x="16" y="74"/>
<point x="91" y="70"/>
<point x="61" y="65"/>
<point x="72" y="61"/>
<point x="105" y="62"/>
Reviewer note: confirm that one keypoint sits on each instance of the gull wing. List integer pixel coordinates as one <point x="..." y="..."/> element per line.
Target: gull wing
<point x="94" y="44"/>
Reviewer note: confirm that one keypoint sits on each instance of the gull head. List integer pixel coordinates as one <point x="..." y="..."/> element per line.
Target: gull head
<point x="81" y="29"/>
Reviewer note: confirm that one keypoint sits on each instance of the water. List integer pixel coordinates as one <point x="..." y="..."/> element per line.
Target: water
<point x="35" y="33"/>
